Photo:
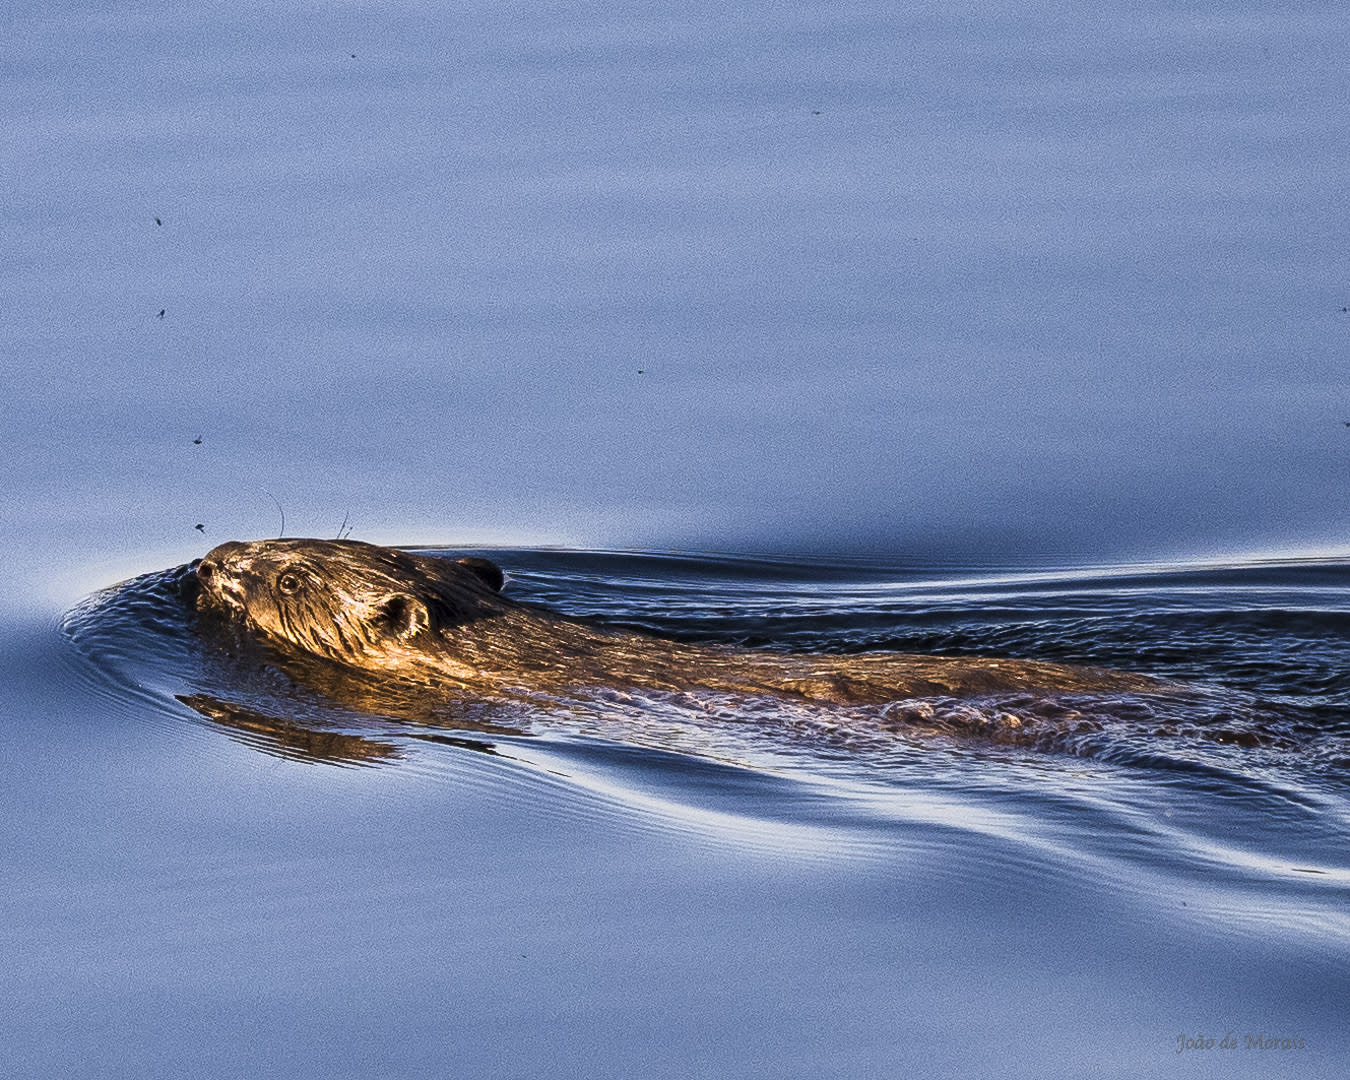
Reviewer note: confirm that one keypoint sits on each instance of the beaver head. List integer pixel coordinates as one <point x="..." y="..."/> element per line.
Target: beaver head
<point x="349" y="601"/>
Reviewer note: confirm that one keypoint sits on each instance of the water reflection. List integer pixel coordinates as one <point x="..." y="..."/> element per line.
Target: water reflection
<point x="285" y="738"/>
<point x="306" y="742"/>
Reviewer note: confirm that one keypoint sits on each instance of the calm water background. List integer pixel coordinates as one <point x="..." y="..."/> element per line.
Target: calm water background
<point x="962" y="289"/>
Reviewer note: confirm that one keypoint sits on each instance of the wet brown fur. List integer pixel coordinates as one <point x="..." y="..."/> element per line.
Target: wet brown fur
<point x="442" y="624"/>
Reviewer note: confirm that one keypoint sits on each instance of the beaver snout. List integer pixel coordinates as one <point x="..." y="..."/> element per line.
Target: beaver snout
<point x="215" y="574"/>
<point x="209" y="571"/>
<point x="216" y="562"/>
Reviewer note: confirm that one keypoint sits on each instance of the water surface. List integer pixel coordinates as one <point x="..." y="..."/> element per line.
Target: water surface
<point x="670" y="892"/>
<point x="981" y="304"/>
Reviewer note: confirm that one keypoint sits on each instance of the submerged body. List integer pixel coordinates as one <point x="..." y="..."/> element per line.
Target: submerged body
<point x="444" y="625"/>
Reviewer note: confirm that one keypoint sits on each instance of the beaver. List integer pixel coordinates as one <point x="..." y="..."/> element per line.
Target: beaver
<point x="443" y="626"/>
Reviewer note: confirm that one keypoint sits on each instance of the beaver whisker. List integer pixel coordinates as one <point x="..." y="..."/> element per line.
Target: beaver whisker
<point x="280" y="511"/>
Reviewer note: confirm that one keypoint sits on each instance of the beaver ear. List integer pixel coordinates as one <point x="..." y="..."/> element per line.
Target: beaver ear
<point x="403" y="614"/>
<point x="487" y="571"/>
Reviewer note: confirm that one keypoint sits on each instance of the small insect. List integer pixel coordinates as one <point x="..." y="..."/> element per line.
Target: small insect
<point x="197" y="441"/>
<point x="158" y="222"/>
<point x="161" y="313"/>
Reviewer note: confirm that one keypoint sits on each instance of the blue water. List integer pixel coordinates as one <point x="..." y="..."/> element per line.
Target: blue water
<point x="668" y="893"/>
<point x="1027" y="277"/>
<point x="1018" y="316"/>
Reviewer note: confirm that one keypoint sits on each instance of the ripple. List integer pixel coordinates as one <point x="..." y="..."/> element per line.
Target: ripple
<point x="1226" y="799"/>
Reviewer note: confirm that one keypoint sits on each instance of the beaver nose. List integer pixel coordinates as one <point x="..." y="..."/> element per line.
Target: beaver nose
<point x="209" y="574"/>
<point x="215" y="564"/>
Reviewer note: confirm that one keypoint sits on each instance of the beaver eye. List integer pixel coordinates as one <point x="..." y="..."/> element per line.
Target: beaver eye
<point x="288" y="584"/>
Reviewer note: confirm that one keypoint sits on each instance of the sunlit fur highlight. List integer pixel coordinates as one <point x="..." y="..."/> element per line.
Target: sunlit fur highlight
<point x="440" y="624"/>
